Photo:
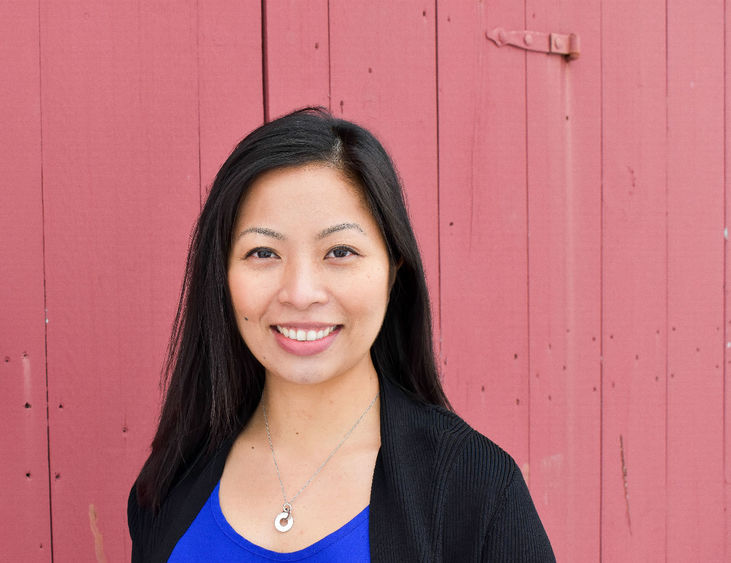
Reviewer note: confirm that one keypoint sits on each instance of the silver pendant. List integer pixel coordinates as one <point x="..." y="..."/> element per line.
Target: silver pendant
<point x="286" y="516"/>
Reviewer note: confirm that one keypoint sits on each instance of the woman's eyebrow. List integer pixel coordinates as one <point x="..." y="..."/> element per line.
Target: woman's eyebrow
<point x="340" y="227"/>
<point x="262" y="231"/>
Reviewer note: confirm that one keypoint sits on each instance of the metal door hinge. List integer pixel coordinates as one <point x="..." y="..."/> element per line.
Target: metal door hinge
<point x="558" y="43"/>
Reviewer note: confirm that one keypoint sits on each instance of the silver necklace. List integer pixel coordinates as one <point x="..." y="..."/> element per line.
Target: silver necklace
<point x="284" y="520"/>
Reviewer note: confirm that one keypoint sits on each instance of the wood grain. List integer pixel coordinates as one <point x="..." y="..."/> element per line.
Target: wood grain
<point x="229" y="68"/>
<point x="634" y="304"/>
<point x="297" y="55"/>
<point x="695" y="439"/>
<point x="727" y="286"/>
<point x="483" y="223"/>
<point x="564" y="229"/>
<point x="24" y="497"/>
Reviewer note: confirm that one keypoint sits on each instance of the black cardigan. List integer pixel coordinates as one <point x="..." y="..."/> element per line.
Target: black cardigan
<point x="441" y="492"/>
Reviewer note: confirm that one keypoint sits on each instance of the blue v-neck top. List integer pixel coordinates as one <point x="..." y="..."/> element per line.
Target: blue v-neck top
<point x="211" y="538"/>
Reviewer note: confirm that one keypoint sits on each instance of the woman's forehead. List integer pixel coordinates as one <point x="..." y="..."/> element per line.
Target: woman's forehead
<point x="313" y="200"/>
<point x="308" y="192"/>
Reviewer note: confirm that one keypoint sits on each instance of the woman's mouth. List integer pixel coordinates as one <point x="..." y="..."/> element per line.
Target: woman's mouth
<point x="305" y="335"/>
<point x="305" y="340"/>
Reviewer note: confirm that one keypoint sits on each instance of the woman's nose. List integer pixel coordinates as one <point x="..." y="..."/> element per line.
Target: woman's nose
<point x="302" y="284"/>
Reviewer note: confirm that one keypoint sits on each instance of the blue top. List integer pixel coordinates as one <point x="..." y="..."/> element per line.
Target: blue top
<point x="211" y="538"/>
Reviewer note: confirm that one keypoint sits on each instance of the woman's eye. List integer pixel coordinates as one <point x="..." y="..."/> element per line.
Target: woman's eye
<point x="262" y="253"/>
<point x="340" y="252"/>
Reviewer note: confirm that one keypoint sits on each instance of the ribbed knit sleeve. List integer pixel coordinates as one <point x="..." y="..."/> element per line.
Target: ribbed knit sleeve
<point x="515" y="533"/>
<point x="136" y="528"/>
<point x="443" y="492"/>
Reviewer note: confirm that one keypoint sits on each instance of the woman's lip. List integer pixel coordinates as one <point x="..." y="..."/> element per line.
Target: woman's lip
<point x="301" y="334"/>
<point x="305" y="326"/>
<point x="306" y="347"/>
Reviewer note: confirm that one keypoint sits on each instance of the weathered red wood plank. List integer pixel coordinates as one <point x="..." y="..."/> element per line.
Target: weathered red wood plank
<point x="564" y="218"/>
<point x="483" y="236"/>
<point x="634" y="256"/>
<point x="695" y="490"/>
<point x="229" y="78"/>
<point x="25" y="534"/>
<point x="297" y="55"/>
<point x="121" y="179"/>
<point x="727" y="286"/>
<point x="383" y="74"/>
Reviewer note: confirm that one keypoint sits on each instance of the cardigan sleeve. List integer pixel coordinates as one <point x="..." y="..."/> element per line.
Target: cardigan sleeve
<point x="515" y="533"/>
<point x="134" y="524"/>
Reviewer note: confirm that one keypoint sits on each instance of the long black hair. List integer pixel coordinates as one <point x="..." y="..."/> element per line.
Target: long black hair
<point x="213" y="382"/>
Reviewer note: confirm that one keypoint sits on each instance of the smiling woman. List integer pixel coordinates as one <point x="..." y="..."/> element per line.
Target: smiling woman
<point x="304" y="417"/>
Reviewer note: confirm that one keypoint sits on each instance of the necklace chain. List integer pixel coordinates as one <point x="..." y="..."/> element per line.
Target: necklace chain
<point x="322" y="465"/>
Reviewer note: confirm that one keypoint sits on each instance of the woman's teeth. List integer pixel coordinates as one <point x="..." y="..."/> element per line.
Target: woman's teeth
<point x="305" y="335"/>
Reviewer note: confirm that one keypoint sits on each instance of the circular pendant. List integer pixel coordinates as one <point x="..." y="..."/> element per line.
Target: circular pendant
<point x="287" y="518"/>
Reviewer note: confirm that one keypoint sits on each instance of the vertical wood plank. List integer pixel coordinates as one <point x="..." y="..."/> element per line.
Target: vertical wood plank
<point x="564" y="268"/>
<point x="382" y="74"/>
<point x="696" y="518"/>
<point x="727" y="284"/>
<point x="634" y="281"/>
<point x="482" y="213"/>
<point x="121" y="178"/>
<point x="25" y="534"/>
<point x="229" y="79"/>
<point x="297" y="55"/>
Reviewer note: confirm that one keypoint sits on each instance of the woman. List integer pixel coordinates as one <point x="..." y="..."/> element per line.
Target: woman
<point x="304" y="417"/>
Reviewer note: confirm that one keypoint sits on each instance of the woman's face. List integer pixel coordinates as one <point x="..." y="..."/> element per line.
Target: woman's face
<point x="308" y="274"/>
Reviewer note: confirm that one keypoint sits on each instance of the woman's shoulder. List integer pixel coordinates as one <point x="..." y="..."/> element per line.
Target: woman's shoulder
<point x="443" y="467"/>
<point x="154" y="532"/>
<point x="473" y="453"/>
<point x="436" y="433"/>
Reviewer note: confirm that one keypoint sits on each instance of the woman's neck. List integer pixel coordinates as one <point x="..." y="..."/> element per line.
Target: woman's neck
<point x="309" y="416"/>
